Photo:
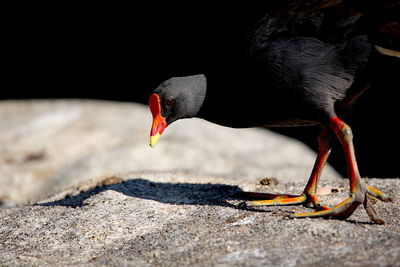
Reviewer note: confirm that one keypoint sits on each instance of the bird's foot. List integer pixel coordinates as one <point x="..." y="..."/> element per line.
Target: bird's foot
<point x="281" y="200"/>
<point x="344" y="209"/>
<point x="372" y="191"/>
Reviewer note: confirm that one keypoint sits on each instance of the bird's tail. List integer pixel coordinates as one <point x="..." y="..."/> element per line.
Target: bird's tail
<point x="382" y="24"/>
<point x="381" y="18"/>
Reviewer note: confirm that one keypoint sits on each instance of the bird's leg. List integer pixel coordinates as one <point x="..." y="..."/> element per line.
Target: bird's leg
<point x="309" y="194"/>
<point x="324" y="149"/>
<point x="358" y="189"/>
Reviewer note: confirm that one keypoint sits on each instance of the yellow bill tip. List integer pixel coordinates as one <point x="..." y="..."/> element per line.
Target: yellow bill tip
<point x="154" y="139"/>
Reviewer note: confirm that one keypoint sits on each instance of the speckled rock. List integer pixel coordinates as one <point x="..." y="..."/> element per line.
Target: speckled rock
<point x="181" y="219"/>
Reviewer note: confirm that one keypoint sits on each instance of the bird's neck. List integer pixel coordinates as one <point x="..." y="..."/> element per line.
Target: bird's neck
<point x="215" y="106"/>
<point x="222" y="104"/>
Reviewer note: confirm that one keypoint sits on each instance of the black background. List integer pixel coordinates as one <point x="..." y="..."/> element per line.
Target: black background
<point x="122" y="52"/>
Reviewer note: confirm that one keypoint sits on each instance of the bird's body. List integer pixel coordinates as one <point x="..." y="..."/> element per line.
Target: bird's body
<point x="304" y="64"/>
<point x="306" y="54"/>
<point x="306" y="75"/>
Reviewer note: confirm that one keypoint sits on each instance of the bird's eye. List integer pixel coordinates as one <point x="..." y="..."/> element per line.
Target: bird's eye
<point x="170" y="101"/>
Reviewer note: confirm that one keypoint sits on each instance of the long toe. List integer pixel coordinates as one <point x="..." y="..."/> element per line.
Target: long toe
<point x="378" y="194"/>
<point x="278" y="200"/>
<point x="340" y="211"/>
<point x="344" y="210"/>
<point x="372" y="214"/>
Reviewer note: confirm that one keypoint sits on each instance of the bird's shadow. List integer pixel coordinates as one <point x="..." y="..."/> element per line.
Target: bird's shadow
<point x="170" y="193"/>
<point x="164" y="192"/>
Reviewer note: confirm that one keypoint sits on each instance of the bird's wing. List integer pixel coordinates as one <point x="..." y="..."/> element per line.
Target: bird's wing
<point x="331" y="21"/>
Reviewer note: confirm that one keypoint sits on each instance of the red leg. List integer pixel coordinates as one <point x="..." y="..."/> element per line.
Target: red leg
<point x="309" y="194"/>
<point x="358" y="188"/>
<point x="324" y="149"/>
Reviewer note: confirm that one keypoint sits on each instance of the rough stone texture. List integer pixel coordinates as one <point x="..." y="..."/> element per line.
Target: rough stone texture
<point x="103" y="214"/>
<point x="180" y="219"/>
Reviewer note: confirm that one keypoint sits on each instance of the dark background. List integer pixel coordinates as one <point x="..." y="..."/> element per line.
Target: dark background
<point x="122" y="52"/>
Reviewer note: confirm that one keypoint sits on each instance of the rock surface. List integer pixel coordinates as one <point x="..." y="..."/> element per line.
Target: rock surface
<point x="180" y="219"/>
<point x="104" y="198"/>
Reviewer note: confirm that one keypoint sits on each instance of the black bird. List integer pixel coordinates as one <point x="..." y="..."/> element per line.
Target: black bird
<point x="305" y="63"/>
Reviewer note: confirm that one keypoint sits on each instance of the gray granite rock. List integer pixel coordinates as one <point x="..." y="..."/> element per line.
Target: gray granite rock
<point x="181" y="219"/>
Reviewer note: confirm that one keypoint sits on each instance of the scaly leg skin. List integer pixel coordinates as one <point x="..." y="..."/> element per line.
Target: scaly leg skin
<point x="309" y="194"/>
<point x="324" y="149"/>
<point x="358" y="188"/>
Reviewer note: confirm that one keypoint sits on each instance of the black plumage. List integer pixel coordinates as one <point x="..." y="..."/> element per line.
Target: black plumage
<point x="306" y="75"/>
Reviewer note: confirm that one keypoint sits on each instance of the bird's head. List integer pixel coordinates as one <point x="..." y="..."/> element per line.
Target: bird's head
<point x="174" y="99"/>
